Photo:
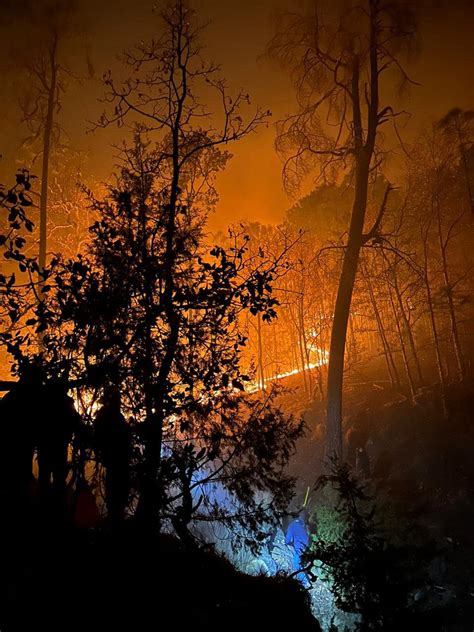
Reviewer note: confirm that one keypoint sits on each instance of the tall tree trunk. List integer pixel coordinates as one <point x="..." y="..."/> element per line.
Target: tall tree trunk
<point x="449" y="294"/>
<point x="276" y="353"/>
<point x="299" y="352"/>
<point x="342" y="310"/>
<point x="439" y="361"/>
<point x="149" y="305"/>
<point x="408" y="329"/>
<point x="392" y="369"/>
<point x="47" y="138"/>
<point x="363" y="153"/>
<point x="303" y="363"/>
<point x="295" y="347"/>
<point x="304" y="343"/>
<point x="352" y="346"/>
<point x="406" y="362"/>
<point x="434" y="331"/>
<point x="152" y="497"/>
<point x="260" y="372"/>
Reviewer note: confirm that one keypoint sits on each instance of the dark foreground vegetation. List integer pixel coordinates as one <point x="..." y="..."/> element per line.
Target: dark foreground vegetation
<point x="72" y="580"/>
<point x="399" y="546"/>
<point x="269" y="429"/>
<point x="395" y="541"/>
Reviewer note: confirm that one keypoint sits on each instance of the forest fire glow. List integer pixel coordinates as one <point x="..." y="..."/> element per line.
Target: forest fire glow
<point x="285" y="374"/>
<point x="237" y="320"/>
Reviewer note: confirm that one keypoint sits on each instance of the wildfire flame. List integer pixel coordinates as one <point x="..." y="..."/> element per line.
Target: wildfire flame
<point x="90" y="406"/>
<point x="280" y="376"/>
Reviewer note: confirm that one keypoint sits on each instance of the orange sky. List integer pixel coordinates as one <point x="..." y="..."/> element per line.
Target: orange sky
<point x="251" y="186"/>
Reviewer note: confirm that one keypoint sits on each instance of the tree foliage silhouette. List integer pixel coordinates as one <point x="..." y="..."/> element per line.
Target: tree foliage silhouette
<point x="150" y="309"/>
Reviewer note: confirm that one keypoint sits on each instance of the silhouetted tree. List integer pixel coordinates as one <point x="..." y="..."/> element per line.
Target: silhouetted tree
<point x="163" y="99"/>
<point x="115" y="298"/>
<point x="50" y="25"/>
<point x="152" y="311"/>
<point x="336" y="56"/>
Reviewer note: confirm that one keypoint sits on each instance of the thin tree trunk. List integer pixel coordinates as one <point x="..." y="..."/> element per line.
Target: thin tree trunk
<point x="260" y="372"/>
<point x="305" y="350"/>
<point x="295" y="349"/>
<point x="434" y="331"/>
<point x="449" y="293"/>
<point x="392" y="369"/>
<point x="353" y="352"/>
<point x="276" y="354"/>
<point x="303" y="362"/>
<point x="406" y="362"/>
<point x="149" y="309"/>
<point x="47" y="138"/>
<point x="439" y="361"/>
<point x="299" y="344"/>
<point x="407" y="326"/>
